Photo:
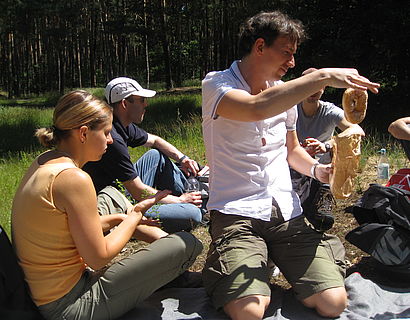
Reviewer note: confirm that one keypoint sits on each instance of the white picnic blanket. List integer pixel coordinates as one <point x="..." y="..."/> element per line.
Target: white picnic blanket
<point x="367" y="300"/>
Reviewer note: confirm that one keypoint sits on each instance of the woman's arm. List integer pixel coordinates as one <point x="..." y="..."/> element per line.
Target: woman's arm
<point x="74" y="193"/>
<point x="109" y="221"/>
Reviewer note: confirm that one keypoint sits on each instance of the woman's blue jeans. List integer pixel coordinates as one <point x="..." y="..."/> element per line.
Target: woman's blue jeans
<point x="158" y="171"/>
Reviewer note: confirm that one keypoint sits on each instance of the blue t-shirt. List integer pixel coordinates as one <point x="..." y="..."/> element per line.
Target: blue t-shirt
<point x="116" y="162"/>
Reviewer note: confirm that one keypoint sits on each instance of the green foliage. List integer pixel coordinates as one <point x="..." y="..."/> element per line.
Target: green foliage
<point x="192" y="83"/>
<point x="55" y="45"/>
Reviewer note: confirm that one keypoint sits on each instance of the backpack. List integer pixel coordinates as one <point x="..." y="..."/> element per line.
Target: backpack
<point x="383" y="214"/>
<point x="401" y="179"/>
<point x="15" y="302"/>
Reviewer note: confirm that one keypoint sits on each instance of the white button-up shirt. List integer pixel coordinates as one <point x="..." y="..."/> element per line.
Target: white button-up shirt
<point x="247" y="159"/>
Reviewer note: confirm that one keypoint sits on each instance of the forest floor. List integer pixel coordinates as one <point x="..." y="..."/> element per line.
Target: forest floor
<point x="356" y="259"/>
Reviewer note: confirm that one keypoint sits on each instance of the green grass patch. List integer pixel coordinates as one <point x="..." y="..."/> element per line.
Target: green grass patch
<point x="12" y="170"/>
<point x="174" y="117"/>
<point x="17" y="127"/>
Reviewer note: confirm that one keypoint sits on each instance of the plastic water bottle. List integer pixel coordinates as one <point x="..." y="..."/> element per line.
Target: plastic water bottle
<point x="191" y="185"/>
<point x="383" y="167"/>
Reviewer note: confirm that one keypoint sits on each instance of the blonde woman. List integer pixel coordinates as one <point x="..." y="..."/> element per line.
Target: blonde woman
<point x="58" y="233"/>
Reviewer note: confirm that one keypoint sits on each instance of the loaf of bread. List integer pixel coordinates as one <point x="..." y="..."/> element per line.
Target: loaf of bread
<point x="345" y="162"/>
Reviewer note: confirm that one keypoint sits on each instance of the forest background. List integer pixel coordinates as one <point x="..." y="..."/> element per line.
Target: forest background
<point x="52" y="45"/>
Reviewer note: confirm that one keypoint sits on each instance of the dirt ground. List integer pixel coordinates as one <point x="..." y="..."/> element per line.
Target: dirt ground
<point x="356" y="260"/>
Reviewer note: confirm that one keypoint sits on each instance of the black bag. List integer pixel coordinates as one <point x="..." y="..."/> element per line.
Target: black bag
<point x="384" y="232"/>
<point x="15" y="302"/>
<point x="305" y="187"/>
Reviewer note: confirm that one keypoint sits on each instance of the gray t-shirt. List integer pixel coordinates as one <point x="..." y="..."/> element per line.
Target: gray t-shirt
<point x="320" y="126"/>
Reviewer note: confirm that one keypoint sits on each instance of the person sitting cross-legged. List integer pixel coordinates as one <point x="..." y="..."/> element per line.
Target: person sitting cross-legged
<point x="58" y="235"/>
<point x="154" y="171"/>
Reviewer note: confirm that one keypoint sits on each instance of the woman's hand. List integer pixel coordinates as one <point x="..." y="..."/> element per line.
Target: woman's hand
<point x="142" y="206"/>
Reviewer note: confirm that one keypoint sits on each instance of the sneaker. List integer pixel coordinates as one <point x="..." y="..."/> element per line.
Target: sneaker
<point x="273" y="269"/>
<point x="319" y="213"/>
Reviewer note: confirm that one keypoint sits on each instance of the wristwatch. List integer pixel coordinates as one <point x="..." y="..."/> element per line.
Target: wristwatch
<point x="328" y="147"/>
<point x="182" y="158"/>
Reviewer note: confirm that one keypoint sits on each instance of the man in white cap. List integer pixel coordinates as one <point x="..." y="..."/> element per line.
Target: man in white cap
<point x="153" y="171"/>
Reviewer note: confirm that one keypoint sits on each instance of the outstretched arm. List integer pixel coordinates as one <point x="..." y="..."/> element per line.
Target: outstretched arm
<point x="400" y="129"/>
<point x="242" y="106"/>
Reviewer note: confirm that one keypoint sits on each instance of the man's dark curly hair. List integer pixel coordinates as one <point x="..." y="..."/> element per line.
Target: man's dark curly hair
<point x="268" y="26"/>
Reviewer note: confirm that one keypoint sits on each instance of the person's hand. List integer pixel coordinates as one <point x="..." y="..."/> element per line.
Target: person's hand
<point x="348" y="78"/>
<point x="189" y="167"/>
<point x="322" y="172"/>
<point x="313" y="146"/>
<point x="142" y="206"/>
<point x="192" y="197"/>
<point x="355" y="129"/>
<point x="150" y="222"/>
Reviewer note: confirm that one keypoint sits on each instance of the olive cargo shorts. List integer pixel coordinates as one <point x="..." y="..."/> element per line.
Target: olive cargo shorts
<point x="237" y="259"/>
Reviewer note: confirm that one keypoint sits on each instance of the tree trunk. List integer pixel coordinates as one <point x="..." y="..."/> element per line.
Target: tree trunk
<point x="147" y="66"/>
<point x="165" y="46"/>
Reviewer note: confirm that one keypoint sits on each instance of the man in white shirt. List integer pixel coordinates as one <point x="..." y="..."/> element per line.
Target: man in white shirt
<point x="249" y="121"/>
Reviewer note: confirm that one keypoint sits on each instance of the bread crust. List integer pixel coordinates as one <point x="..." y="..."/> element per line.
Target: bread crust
<point x="345" y="163"/>
<point x="354" y="104"/>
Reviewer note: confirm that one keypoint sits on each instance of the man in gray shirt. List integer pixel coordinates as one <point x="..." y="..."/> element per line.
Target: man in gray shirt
<point x="316" y="124"/>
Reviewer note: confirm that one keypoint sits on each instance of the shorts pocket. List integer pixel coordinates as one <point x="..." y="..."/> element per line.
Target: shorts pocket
<point x="217" y="257"/>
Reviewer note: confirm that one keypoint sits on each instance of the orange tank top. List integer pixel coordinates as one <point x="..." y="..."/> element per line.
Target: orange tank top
<point x="41" y="237"/>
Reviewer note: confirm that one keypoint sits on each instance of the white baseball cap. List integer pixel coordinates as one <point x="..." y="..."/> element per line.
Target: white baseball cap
<point x="122" y="87"/>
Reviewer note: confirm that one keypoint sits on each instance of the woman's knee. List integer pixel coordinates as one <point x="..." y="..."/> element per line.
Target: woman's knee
<point x="187" y="244"/>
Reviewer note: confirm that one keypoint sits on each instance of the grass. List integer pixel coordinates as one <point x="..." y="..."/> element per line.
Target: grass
<point x="175" y="117"/>
<point x="11" y="170"/>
